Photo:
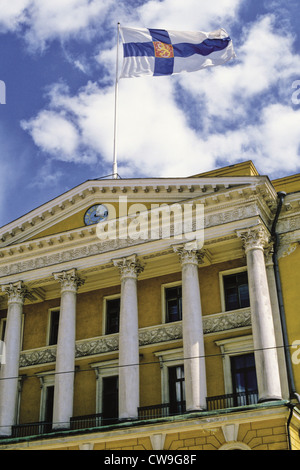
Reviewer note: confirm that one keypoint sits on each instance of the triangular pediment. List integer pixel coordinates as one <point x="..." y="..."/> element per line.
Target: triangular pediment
<point x="65" y="213"/>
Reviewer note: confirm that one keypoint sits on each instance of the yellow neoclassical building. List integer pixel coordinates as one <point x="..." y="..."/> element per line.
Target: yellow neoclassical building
<point x="154" y="314"/>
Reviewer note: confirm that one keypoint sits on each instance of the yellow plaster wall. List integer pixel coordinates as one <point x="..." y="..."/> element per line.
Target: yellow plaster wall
<point x="289" y="266"/>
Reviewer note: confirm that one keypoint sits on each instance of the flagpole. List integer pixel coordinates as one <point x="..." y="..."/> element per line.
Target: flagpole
<point x="115" y="164"/>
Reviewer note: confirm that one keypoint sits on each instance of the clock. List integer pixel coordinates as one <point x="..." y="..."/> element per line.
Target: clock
<point x="95" y="214"/>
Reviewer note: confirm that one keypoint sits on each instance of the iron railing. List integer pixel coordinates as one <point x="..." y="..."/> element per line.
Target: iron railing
<point x="219" y="402"/>
<point x="232" y="400"/>
<point x="160" y="411"/>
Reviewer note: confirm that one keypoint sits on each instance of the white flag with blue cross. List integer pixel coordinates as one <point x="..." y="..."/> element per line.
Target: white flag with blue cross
<point x="159" y="52"/>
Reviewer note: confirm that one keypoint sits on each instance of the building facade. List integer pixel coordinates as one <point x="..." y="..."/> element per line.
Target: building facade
<point x="154" y="314"/>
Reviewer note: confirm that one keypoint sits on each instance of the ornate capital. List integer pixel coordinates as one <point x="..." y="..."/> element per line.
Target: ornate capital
<point x="129" y="266"/>
<point x="254" y="238"/>
<point x="69" y="280"/>
<point x="16" y="292"/>
<point x="188" y="254"/>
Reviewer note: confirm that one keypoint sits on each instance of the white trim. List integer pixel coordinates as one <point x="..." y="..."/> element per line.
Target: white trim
<point x="228" y="272"/>
<point x="235" y="445"/>
<point x="104" y="310"/>
<point x="163" y="298"/>
<point x="47" y="379"/>
<point x="168" y="358"/>
<point x="233" y="347"/>
<point x="103" y="369"/>
<point x="50" y="310"/>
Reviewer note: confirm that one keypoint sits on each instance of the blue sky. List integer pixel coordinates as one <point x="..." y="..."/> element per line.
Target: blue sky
<point x="57" y="60"/>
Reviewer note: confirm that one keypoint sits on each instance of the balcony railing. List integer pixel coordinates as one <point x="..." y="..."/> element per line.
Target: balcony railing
<point x="232" y="400"/>
<point x="161" y="411"/>
<point x="144" y="413"/>
<point x="31" y="429"/>
<point x="86" y="421"/>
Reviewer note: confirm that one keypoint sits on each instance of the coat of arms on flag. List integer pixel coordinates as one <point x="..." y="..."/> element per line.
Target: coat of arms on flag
<point x="160" y="52"/>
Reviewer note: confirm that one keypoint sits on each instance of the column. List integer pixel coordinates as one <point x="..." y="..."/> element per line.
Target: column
<point x="10" y="370"/>
<point x="277" y="320"/>
<point x="129" y="269"/>
<point x="192" y="330"/>
<point x="65" y="354"/>
<point x="255" y="239"/>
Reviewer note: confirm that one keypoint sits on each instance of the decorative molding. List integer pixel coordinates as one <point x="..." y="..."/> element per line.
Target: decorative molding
<point x="69" y="280"/>
<point x="256" y="237"/>
<point x="216" y="323"/>
<point x="188" y="254"/>
<point x="16" y="292"/>
<point x="128" y="267"/>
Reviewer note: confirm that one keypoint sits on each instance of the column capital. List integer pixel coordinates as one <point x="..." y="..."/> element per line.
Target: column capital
<point x="256" y="237"/>
<point x="69" y="280"/>
<point x="17" y="292"/>
<point x="189" y="254"/>
<point x="129" y="267"/>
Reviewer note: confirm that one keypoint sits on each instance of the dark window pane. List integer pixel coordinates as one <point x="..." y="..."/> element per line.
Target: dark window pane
<point x="112" y="316"/>
<point x="110" y="399"/>
<point x="173" y="297"/>
<point x="177" y="389"/>
<point x="236" y="291"/>
<point x="49" y="404"/>
<point x="244" y="378"/>
<point x="54" y="323"/>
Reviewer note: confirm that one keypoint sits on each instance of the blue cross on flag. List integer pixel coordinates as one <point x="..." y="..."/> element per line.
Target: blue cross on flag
<point x="158" y="52"/>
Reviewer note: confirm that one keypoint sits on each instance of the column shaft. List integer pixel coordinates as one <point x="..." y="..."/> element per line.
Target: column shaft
<point x="10" y="370"/>
<point x="128" y="339"/>
<point x="65" y="355"/>
<point x="266" y="358"/>
<point x="193" y="339"/>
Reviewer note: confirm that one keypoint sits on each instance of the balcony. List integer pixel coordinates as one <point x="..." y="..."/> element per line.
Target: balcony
<point x="165" y="410"/>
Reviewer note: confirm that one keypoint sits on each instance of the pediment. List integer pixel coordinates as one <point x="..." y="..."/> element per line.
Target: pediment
<point x="65" y="213"/>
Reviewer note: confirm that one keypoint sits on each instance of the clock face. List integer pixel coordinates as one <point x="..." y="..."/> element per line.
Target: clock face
<point x="95" y="214"/>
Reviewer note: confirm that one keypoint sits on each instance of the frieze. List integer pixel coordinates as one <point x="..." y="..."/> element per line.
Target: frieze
<point x="216" y="323"/>
<point x="93" y="246"/>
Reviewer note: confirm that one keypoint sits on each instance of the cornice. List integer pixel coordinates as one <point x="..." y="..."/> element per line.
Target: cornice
<point x="142" y="190"/>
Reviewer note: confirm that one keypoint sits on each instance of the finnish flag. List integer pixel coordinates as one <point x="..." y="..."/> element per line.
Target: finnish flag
<point x="158" y="52"/>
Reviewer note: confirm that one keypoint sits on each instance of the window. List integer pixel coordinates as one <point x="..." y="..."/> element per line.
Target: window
<point x="110" y="399"/>
<point x="112" y="315"/>
<point x="49" y="400"/>
<point x="244" y="381"/>
<point x="2" y="329"/>
<point x="173" y="303"/>
<point x="107" y="390"/>
<point x="47" y="380"/>
<point x="53" y="327"/>
<point x="177" y="389"/>
<point x="236" y="293"/>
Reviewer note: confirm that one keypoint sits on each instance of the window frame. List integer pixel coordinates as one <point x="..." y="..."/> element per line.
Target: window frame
<point x="104" y="316"/>
<point x="102" y="370"/>
<point x="163" y="298"/>
<point x="233" y="347"/>
<point x="167" y="359"/>
<point x="47" y="379"/>
<point x="49" y="328"/>
<point x="222" y="274"/>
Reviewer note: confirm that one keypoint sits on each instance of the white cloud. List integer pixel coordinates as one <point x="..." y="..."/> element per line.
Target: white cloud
<point x="188" y="15"/>
<point x="12" y="14"/>
<point x="54" y="134"/>
<point x="43" y="21"/>
<point x="154" y="133"/>
<point x="265" y="59"/>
